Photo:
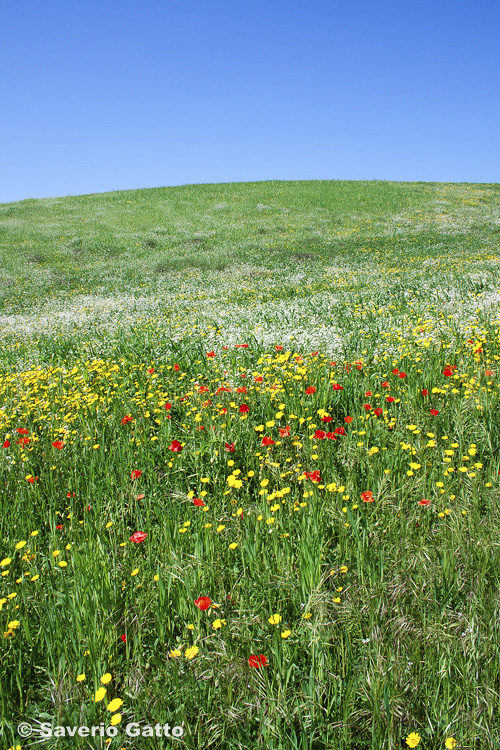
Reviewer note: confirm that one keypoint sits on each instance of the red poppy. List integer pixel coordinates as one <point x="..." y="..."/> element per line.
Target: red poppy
<point x="284" y="431"/>
<point x="395" y="372"/>
<point x="339" y="431"/>
<point x="140" y="497"/>
<point x="310" y="390"/>
<point x="243" y="374"/>
<point x="168" y="406"/>
<point x="333" y="364"/>
<point x="59" y="527"/>
<point x="367" y="407"/>
<point x="367" y="496"/>
<point x="314" y="476"/>
<point x="241" y="346"/>
<point x="135" y="474"/>
<point x="319" y="435"/>
<point x="257" y="661"/>
<point x="448" y="372"/>
<point x="198" y="502"/>
<point x="314" y="354"/>
<point x="258" y="379"/>
<point x="229" y="447"/>
<point x="211" y="354"/>
<point x="151" y="370"/>
<point x="225" y="348"/>
<point x="267" y="441"/>
<point x="390" y="399"/>
<point x="123" y="638"/>
<point x="378" y="412"/>
<point x="243" y="409"/>
<point x="368" y="393"/>
<point x="223" y="390"/>
<point x="348" y="420"/>
<point x="23" y="441"/>
<point x="402" y="374"/>
<point x="32" y="480"/>
<point x="331" y="436"/>
<point x="385" y="384"/>
<point x="425" y="392"/>
<point x="434" y="412"/>
<point x="222" y="411"/>
<point x="6" y="444"/>
<point x="138" y="537"/>
<point x="176" y="367"/>
<point x="126" y="419"/>
<point x="489" y="373"/>
<point x="424" y="502"/>
<point x="327" y="419"/>
<point x="175" y="446"/>
<point x="278" y="348"/>
<point x="58" y="444"/>
<point x="241" y="389"/>
<point x="71" y="494"/>
<point x="203" y="602"/>
<point x="337" y="387"/>
<point x="203" y="388"/>
<point x="23" y="431"/>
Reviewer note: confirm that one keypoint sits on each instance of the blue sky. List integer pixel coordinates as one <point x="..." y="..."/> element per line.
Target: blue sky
<point x="102" y="95"/>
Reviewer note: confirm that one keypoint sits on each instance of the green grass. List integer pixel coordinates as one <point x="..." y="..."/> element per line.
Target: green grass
<point x="111" y="306"/>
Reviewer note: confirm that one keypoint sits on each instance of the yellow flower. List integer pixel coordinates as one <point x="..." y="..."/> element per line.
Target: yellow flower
<point x="114" y="705"/>
<point x="413" y="739"/>
<point x="5" y="562"/>
<point x="115" y="719"/>
<point x="275" y="619"/>
<point x="337" y="600"/>
<point x="156" y="577"/>
<point x="233" y="545"/>
<point x="20" y="545"/>
<point x="35" y="578"/>
<point x="221" y="527"/>
<point x="56" y="552"/>
<point x="81" y="677"/>
<point x="174" y="653"/>
<point x="307" y="615"/>
<point x="344" y="568"/>
<point x="100" y="694"/>
<point x="13" y="625"/>
<point x="63" y="564"/>
<point x="450" y="743"/>
<point x="106" y="678"/>
<point x="190" y="653"/>
<point x="218" y="624"/>
<point x="134" y="572"/>
<point x="286" y="633"/>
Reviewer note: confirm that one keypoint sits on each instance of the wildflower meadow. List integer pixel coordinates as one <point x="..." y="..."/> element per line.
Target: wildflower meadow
<point x="250" y="466"/>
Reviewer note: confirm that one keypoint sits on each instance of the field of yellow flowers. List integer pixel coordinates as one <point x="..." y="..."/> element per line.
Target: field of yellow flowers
<point x="249" y="459"/>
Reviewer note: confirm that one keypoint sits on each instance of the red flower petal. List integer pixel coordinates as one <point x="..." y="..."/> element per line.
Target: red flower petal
<point x="203" y="602"/>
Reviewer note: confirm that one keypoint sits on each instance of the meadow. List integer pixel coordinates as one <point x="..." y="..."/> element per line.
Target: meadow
<point x="249" y="467"/>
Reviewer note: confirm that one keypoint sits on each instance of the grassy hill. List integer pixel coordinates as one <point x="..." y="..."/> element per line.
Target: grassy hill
<point x="291" y="390"/>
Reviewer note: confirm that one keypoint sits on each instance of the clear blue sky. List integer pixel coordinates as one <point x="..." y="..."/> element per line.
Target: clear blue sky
<point x="102" y="95"/>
